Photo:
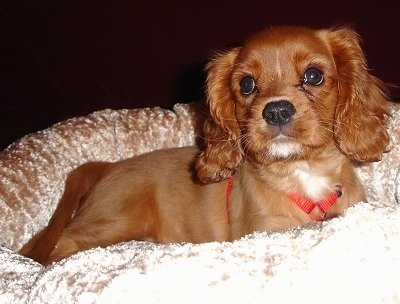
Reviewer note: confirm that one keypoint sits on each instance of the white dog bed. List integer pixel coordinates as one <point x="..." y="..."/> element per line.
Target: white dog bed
<point x="351" y="259"/>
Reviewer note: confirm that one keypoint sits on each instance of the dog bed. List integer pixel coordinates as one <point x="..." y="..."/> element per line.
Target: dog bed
<point x="354" y="258"/>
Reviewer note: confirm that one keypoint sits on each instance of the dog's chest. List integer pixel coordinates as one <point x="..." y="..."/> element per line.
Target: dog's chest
<point x="313" y="185"/>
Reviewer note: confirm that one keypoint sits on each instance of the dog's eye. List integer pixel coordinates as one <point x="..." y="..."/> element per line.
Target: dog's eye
<point x="247" y="85"/>
<point x="313" y="76"/>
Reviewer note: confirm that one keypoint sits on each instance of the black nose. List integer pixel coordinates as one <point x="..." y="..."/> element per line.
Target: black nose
<point x="279" y="113"/>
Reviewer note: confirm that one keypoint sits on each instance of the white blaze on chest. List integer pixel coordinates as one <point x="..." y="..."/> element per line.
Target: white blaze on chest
<point x="313" y="185"/>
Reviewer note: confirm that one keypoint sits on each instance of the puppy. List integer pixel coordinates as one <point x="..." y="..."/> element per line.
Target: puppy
<point x="288" y="113"/>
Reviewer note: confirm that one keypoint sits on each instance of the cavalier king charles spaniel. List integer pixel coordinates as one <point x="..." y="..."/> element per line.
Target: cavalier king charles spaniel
<point x="289" y="112"/>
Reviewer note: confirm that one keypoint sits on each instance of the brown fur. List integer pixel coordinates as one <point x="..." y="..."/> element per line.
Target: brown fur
<point x="157" y="197"/>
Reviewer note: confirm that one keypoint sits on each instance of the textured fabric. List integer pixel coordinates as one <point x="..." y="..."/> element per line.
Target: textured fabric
<point x="353" y="258"/>
<point x="33" y="170"/>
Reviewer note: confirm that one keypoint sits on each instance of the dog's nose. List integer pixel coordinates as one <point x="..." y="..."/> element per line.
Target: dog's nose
<point x="279" y="113"/>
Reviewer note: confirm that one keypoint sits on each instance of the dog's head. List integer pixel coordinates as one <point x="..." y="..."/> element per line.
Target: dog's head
<point x="286" y="94"/>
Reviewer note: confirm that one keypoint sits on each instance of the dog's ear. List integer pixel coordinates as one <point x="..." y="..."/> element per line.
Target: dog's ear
<point x="222" y="152"/>
<point x="362" y="109"/>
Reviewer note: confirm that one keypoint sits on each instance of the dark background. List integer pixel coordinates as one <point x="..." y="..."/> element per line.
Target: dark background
<point x="60" y="59"/>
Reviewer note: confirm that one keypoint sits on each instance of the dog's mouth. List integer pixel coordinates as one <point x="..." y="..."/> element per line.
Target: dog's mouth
<point x="281" y="133"/>
<point x="283" y="146"/>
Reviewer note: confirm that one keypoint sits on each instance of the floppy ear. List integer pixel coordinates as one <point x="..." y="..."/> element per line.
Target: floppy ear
<point x="222" y="153"/>
<point x="361" y="114"/>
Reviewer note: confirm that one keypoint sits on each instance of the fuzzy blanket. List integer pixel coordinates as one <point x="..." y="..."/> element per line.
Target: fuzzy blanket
<point x="351" y="259"/>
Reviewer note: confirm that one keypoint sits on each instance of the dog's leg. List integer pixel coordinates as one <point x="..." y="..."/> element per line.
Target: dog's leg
<point x="78" y="184"/>
<point x="132" y="218"/>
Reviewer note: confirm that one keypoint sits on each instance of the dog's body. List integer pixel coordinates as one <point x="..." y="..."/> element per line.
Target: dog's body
<point x="288" y="112"/>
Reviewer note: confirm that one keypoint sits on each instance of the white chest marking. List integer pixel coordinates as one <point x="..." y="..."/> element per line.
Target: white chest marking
<point x="314" y="186"/>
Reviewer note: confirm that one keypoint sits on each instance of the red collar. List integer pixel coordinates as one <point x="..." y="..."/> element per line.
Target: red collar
<point x="228" y="193"/>
<point x="305" y="204"/>
<point x="308" y="205"/>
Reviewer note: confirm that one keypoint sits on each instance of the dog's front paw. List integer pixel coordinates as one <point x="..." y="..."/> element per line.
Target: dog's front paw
<point x="215" y="166"/>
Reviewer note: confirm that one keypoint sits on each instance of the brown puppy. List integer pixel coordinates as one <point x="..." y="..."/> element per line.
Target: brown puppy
<point x="289" y="110"/>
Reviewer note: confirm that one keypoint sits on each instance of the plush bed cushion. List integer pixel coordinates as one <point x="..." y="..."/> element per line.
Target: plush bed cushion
<point x="353" y="258"/>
